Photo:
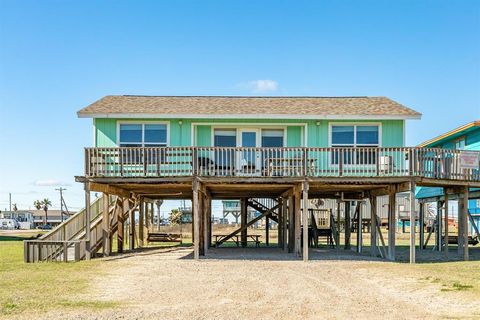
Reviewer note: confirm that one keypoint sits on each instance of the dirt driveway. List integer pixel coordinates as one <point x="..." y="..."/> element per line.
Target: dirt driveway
<point x="230" y="284"/>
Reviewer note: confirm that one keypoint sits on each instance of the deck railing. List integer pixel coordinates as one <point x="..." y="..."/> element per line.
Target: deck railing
<point x="282" y="162"/>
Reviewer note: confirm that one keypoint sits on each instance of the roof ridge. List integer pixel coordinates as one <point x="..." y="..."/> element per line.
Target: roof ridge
<point x="231" y="96"/>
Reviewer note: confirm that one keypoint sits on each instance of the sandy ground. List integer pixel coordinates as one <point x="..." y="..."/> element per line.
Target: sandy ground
<point x="236" y="284"/>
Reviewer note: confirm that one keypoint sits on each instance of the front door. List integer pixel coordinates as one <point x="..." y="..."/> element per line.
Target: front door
<point x="249" y="159"/>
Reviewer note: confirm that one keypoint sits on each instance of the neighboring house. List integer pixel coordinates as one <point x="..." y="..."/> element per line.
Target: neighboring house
<point x="466" y="137"/>
<point x="23" y="217"/>
<point x="54" y="217"/>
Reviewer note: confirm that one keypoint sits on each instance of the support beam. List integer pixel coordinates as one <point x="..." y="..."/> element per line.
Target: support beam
<point x="438" y="227"/>
<point x="146" y="208"/>
<point x="306" y="211"/>
<point x="348" y="227"/>
<point x="159" y="216"/>
<point x="338" y="223"/>
<point x="421" y="225"/>
<point x="131" y="240"/>
<point x="243" y="221"/>
<point x="196" y="220"/>
<point x="284" y="224"/>
<point x="359" y="227"/>
<point x="141" y="212"/>
<point x="106" y="225"/>
<point x="122" y="208"/>
<point x="445" y="213"/>
<point x="373" y="226"/>
<point x="206" y="223"/>
<point x="298" y="223"/>
<point x="463" y="215"/>
<point x="280" y="224"/>
<point x="412" y="222"/>
<point x="201" y="212"/>
<point x="88" y="218"/>
<point x="267" y="231"/>
<point x="392" y="224"/>
<point x="291" y="223"/>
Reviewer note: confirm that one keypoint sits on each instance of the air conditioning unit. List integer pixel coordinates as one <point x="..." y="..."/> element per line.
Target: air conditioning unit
<point x="386" y="164"/>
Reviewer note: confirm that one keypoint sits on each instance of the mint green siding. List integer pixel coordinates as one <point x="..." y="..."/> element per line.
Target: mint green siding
<point x="314" y="132"/>
<point x="106" y="132"/>
<point x="294" y="136"/>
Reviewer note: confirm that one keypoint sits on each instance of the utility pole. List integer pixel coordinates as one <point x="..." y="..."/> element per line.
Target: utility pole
<point x="10" y="200"/>
<point x="61" y="201"/>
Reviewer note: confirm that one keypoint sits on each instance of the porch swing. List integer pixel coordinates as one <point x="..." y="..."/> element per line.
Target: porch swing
<point x="159" y="236"/>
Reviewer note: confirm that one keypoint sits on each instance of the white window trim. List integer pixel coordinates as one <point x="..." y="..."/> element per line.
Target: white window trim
<point x="239" y="130"/>
<point x="216" y="125"/>
<point x="355" y="124"/>
<point x="167" y="123"/>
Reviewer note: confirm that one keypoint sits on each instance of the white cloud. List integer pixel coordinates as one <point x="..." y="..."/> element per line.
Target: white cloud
<point x="262" y="86"/>
<point x="50" y="183"/>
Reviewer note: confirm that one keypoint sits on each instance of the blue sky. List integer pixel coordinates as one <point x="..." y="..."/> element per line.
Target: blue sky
<point x="58" y="56"/>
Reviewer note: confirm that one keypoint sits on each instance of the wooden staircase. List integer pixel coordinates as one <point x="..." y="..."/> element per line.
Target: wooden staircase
<point x="67" y="242"/>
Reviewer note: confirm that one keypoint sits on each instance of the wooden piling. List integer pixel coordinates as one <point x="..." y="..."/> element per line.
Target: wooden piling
<point x="88" y="218"/>
<point x="421" y="225"/>
<point x="291" y="224"/>
<point x="196" y="220"/>
<point x="306" y="205"/>
<point x="348" y="227"/>
<point x="106" y="225"/>
<point x="373" y="226"/>
<point x="141" y="212"/>
<point x="445" y="213"/>
<point x="392" y="224"/>
<point x="298" y="223"/>
<point x="412" y="222"/>
<point x="243" y="221"/>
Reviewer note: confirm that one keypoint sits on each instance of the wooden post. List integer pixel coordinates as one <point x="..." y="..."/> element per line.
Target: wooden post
<point x="339" y="204"/>
<point x="88" y="253"/>
<point x="243" y="221"/>
<point x="159" y="216"/>
<point x="207" y="223"/>
<point x="412" y="222"/>
<point x="131" y="240"/>
<point x="291" y="224"/>
<point x="373" y="226"/>
<point x="359" y="227"/>
<point x="141" y="212"/>
<point x="146" y="209"/>
<point x="280" y="224"/>
<point x="445" y="213"/>
<point x="348" y="229"/>
<point x="438" y="226"/>
<point x="201" y="212"/>
<point x="392" y="222"/>
<point x="284" y="224"/>
<point x="121" y="223"/>
<point x="106" y="225"/>
<point x="298" y="223"/>
<point x="421" y="225"/>
<point x="267" y="231"/>
<point x="196" y="220"/>
<point x="152" y="211"/>
<point x="465" y="224"/>
<point x="306" y="205"/>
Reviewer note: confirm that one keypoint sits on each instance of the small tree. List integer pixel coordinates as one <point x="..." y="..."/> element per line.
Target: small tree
<point x="37" y="204"/>
<point x="45" y="205"/>
<point x="15" y="207"/>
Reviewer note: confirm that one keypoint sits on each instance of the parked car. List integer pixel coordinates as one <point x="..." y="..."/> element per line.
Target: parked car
<point x="45" y="227"/>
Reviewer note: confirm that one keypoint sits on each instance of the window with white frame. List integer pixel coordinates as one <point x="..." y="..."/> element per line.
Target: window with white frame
<point x="460" y="143"/>
<point x="143" y="135"/>
<point x="355" y="136"/>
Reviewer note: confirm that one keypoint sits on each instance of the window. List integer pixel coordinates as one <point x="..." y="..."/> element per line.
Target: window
<point x="143" y="135"/>
<point x="349" y="136"/>
<point x="272" y="138"/>
<point x="460" y="143"/>
<point x="224" y="158"/>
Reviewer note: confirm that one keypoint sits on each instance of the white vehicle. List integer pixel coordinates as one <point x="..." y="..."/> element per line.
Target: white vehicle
<point x="9" y="224"/>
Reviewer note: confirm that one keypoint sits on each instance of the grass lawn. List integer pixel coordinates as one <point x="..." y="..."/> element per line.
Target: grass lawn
<point x="43" y="286"/>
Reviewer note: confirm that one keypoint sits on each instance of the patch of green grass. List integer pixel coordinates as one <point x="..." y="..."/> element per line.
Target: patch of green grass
<point x="38" y="287"/>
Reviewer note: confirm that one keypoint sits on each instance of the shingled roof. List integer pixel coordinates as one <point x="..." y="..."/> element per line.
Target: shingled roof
<point x="247" y="107"/>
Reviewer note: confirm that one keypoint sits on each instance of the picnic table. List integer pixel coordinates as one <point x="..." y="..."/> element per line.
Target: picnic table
<point x="237" y="239"/>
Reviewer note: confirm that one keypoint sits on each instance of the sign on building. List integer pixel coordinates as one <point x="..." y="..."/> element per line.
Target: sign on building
<point x="469" y="160"/>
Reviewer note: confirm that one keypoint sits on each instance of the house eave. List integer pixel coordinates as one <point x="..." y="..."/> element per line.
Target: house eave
<point x="248" y="116"/>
